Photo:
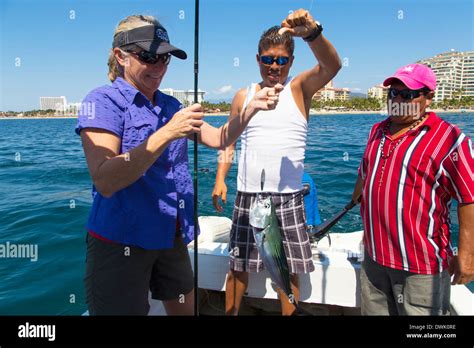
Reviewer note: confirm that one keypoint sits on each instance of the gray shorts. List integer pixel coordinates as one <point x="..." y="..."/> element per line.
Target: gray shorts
<point x="388" y="291"/>
<point x="118" y="277"/>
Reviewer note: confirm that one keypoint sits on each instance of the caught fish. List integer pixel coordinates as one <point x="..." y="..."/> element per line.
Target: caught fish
<point x="267" y="236"/>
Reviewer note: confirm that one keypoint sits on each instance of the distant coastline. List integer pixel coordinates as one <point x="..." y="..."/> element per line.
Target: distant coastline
<point x="360" y="112"/>
<point x="312" y="113"/>
<point x="37" y="117"/>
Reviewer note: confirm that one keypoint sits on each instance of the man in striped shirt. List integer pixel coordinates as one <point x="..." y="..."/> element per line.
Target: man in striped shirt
<point x="413" y="165"/>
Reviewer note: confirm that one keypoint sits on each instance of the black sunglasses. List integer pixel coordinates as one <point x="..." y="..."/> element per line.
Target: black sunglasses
<point x="152" y="58"/>
<point x="268" y="60"/>
<point x="406" y="94"/>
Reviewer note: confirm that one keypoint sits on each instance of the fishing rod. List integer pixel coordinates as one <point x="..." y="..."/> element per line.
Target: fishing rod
<point x="322" y="230"/>
<point x="195" y="178"/>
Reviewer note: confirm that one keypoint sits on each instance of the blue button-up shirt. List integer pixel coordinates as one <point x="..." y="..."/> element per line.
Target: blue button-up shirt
<point x="145" y="213"/>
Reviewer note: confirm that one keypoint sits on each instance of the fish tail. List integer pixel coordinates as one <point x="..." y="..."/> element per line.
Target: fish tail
<point x="300" y="311"/>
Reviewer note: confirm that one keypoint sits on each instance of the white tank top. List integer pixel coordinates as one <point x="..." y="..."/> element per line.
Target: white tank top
<point x="274" y="140"/>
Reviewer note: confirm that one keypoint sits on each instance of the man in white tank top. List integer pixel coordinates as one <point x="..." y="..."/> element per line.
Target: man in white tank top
<point x="275" y="141"/>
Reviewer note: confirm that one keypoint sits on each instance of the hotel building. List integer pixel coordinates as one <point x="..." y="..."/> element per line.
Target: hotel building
<point x="53" y="103"/>
<point x="454" y="74"/>
<point x="329" y="92"/>
<point x="378" y="92"/>
<point x="184" y="97"/>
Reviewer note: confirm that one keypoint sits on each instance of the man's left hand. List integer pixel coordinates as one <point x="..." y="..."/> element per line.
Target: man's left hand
<point x="299" y="23"/>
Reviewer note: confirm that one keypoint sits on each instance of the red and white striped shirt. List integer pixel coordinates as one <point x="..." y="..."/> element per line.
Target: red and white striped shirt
<point x="406" y="217"/>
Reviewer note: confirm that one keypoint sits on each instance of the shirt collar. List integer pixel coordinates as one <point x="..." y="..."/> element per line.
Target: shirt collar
<point x="127" y="90"/>
<point x="432" y="120"/>
<point x="130" y="92"/>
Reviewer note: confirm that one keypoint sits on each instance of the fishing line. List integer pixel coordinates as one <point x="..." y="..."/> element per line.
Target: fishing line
<point x="195" y="180"/>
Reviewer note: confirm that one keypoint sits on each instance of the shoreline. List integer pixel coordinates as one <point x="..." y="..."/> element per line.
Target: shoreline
<point x="35" y="117"/>
<point x="361" y="112"/>
<point x="220" y="114"/>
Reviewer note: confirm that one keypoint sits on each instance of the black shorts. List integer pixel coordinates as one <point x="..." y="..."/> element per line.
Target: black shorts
<point x="119" y="277"/>
<point x="291" y="217"/>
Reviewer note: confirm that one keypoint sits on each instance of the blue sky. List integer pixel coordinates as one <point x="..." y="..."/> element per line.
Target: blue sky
<point x="65" y="53"/>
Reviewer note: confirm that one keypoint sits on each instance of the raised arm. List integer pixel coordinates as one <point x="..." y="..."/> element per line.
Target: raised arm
<point x="301" y="24"/>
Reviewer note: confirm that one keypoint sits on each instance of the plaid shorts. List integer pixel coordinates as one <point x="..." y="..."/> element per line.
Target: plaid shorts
<point x="291" y="217"/>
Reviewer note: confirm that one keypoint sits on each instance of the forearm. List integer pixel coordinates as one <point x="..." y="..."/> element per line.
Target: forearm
<point x="358" y="188"/>
<point x="123" y="170"/>
<point x="326" y="55"/>
<point x="227" y="134"/>
<point x="264" y="99"/>
<point x="225" y="160"/>
<point x="466" y="233"/>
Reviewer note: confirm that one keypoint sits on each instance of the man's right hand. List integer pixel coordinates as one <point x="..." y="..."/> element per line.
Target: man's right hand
<point x="220" y="190"/>
<point x="266" y="98"/>
<point x="185" y="122"/>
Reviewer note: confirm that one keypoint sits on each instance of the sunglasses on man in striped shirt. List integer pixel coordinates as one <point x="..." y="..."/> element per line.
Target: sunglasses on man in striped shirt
<point x="407" y="94"/>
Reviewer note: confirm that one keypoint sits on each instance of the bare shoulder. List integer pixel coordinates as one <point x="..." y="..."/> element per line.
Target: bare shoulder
<point x="239" y="99"/>
<point x="298" y="81"/>
<point x="240" y="95"/>
<point x="295" y="82"/>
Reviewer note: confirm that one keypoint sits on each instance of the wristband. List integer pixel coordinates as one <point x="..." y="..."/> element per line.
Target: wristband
<point x="315" y="33"/>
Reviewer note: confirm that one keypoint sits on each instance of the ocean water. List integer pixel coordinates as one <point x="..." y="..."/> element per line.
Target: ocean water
<point x="45" y="199"/>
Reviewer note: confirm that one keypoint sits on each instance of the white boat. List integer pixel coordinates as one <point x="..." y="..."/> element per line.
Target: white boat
<point x="333" y="288"/>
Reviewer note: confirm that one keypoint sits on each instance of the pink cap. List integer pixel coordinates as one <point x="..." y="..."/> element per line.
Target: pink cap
<point x="414" y="76"/>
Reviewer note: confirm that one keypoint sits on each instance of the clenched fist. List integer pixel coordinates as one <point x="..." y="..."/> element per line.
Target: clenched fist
<point x="266" y="98"/>
<point x="299" y="23"/>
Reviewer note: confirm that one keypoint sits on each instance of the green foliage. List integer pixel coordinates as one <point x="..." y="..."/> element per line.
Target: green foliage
<point x="211" y="107"/>
<point x="454" y="103"/>
<point x="371" y="104"/>
<point x="359" y="104"/>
